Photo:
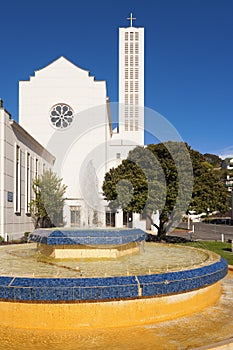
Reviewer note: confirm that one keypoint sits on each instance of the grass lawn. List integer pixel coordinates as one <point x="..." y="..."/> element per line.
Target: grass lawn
<point x="223" y="249"/>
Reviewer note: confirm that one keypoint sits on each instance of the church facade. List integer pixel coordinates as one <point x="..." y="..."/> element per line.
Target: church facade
<point x="68" y="116"/>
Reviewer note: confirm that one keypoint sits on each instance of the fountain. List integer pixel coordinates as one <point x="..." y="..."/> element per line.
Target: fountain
<point x="78" y="279"/>
<point x="79" y="244"/>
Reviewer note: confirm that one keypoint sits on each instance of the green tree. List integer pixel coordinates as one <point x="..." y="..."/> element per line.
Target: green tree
<point x="126" y="187"/>
<point x="169" y="177"/>
<point x="175" y="161"/>
<point x="213" y="159"/>
<point x="209" y="192"/>
<point x="153" y="183"/>
<point x="47" y="207"/>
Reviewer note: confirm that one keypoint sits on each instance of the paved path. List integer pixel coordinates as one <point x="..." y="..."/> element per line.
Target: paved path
<point x="208" y="232"/>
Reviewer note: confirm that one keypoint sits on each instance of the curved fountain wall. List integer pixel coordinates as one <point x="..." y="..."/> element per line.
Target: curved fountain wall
<point x="73" y="303"/>
<point x="110" y="288"/>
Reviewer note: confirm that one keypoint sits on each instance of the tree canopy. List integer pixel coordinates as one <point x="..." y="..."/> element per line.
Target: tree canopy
<point x="209" y="192"/>
<point x="213" y="159"/>
<point x="136" y="184"/>
<point x="169" y="177"/>
<point x="47" y="206"/>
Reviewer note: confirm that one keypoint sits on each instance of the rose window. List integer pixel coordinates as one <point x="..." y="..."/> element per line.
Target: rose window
<point x="61" y="116"/>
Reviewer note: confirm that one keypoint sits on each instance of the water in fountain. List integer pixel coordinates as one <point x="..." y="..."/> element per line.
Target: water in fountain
<point x="25" y="260"/>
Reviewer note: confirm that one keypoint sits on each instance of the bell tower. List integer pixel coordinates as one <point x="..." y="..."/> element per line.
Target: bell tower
<point x="131" y="79"/>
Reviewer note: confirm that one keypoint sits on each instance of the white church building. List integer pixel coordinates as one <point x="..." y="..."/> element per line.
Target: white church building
<point x="65" y="124"/>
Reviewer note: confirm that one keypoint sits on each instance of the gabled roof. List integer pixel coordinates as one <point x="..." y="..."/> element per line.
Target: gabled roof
<point x="64" y="65"/>
<point x="62" y="61"/>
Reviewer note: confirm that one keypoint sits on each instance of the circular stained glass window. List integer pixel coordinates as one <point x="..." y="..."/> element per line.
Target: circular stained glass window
<point x="61" y="116"/>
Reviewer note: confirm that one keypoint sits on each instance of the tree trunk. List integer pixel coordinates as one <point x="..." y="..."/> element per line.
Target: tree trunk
<point x="160" y="228"/>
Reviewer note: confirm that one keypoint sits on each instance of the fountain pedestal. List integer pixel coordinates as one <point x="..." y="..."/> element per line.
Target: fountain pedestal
<point x="88" y="252"/>
<point x="85" y="244"/>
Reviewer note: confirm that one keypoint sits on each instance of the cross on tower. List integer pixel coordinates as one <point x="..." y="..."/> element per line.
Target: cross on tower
<point x="131" y="19"/>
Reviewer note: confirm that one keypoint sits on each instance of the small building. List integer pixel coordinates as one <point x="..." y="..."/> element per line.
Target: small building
<point x="22" y="159"/>
<point x="229" y="183"/>
<point x="227" y="164"/>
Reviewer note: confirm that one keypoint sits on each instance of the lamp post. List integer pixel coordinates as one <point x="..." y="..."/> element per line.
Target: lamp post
<point x="190" y="217"/>
<point x="208" y="212"/>
<point x="188" y="221"/>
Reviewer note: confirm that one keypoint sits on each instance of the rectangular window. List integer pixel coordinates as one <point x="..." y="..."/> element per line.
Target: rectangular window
<point x="110" y="219"/>
<point x="27" y="182"/>
<point x="17" y="201"/>
<point x="75" y="216"/>
<point x="137" y="36"/>
<point x="36" y="168"/>
<point x="131" y="35"/>
<point x="35" y="175"/>
<point x="118" y="156"/>
<point x="126" y="35"/>
<point x="136" y="48"/>
<point x="131" y="48"/>
<point x="131" y="125"/>
<point x="131" y="86"/>
<point x="126" y="125"/>
<point x="131" y="60"/>
<point x="131" y="73"/>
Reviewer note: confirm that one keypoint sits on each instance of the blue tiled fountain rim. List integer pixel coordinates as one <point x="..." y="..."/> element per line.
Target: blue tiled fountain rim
<point x="110" y="288"/>
<point x="87" y="237"/>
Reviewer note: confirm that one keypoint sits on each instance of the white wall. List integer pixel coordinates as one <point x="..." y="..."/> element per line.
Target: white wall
<point x="59" y="82"/>
<point x="11" y="223"/>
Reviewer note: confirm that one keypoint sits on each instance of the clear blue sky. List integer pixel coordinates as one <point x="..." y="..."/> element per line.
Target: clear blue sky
<point x="188" y="55"/>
